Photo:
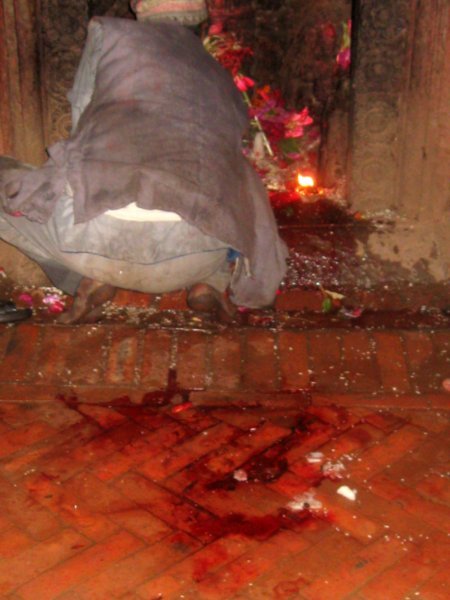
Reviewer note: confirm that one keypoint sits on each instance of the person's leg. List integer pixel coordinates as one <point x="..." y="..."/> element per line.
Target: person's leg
<point x="205" y="275"/>
<point x="88" y="303"/>
<point x="205" y="298"/>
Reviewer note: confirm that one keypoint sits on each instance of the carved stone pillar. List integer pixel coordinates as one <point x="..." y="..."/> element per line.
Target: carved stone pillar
<point x="21" y="133"/>
<point x="63" y="31"/>
<point x="380" y="73"/>
<point x="399" y="150"/>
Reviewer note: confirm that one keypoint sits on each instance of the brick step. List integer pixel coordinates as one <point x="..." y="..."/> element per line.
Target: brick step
<point x="247" y="360"/>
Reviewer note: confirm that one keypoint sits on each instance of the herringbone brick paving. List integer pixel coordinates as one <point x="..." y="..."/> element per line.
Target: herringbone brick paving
<point x="146" y="463"/>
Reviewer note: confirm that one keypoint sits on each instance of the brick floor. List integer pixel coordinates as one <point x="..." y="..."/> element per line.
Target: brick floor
<point x="161" y="460"/>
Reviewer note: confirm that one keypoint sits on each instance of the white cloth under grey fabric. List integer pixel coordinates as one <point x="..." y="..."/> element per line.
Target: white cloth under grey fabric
<point x="115" y="251"/>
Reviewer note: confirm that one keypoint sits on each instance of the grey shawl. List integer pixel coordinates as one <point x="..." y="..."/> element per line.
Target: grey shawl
<point x="162" y="128"/>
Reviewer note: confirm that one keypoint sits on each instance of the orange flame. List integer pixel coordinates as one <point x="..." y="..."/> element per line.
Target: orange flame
<point x="305" y="180"/>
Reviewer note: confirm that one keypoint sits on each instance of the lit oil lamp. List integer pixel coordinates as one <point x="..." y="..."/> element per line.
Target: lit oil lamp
<point x="305" y="181"/>
<point x="307" y="188"/>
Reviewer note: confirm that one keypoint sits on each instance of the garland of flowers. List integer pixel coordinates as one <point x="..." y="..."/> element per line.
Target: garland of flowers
<point x="276" y="136"/>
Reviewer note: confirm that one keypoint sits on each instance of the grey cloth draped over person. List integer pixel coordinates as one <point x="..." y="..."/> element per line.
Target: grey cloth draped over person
<point x="156" y="122"/>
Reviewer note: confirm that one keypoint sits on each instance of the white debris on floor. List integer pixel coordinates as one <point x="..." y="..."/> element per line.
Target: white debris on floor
<point x="347" y="492"/>
<point x="306" y="501"/>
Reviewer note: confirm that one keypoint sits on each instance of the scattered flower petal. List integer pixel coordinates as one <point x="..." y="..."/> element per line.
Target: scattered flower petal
<point x="347" y="492"/>
<point x="315" y="457"/>
<point x="333" y="470"/>
<point x="26" y="298"/>
<point x="306" y="501"/>
<point x="240" y="475"/>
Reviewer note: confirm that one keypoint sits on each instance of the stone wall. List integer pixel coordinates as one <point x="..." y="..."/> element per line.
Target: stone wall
<point x="400" y="142"/>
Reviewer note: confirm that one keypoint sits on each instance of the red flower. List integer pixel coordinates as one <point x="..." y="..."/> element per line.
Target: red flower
<point x="243" y="83"/>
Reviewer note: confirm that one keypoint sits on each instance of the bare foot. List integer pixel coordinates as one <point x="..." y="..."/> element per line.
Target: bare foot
<point x="204" y="298"/>
<point x="88" y="301"/>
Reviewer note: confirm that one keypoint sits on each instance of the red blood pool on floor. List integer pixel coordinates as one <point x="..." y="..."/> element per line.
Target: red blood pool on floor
<point x="258" y="528"/>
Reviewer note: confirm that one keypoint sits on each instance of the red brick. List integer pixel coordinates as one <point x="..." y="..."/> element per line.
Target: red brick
<point x="249" y="399"/>
<point x="441" y="360"/>
<point x="386" y="421"/>
<point x="241" y="418"/>
<point x="25" y="436"/>
<point x="317" y="562"/>
<point x="436" y="515"/>
<point x="73" y="455"/>
<point x="13" y="542"/>
<point x="436" y="588"/>
<point x="164" y="464"/>
<point x="156" y="359"/>
<point x="226" y="357"/>
<point x="259" y="498"/>
<point x="170" y="508"/>
<point x="18" y="363"/>
<point x="16" y="415"/>
<point x="69" y="507"/>
<point x="354" y="572"/>
<point x="142" y="524"/>
<point x="441" y="341"/>
<point x="52" y="366"/>
<point x="429" y="457"/>
<point x="26" y="514"/>
<point x="246" y="446"/>
<point x="310" y="440"/>
<point x="419" y="355"/>
<point x="393" y="448"/>
<point x="122" y="356"/>
<point x="6" y="333"/>
<point x="197" y="567"/>
<point x="238" y="574"/>
<point x="340" y="417"/>
<point x="138" y="451"/>
<point x="129" y="573"/>
<point x="326" y="361"/>
<point x="221" y="503"/>
<point x="173" y="301"/>
<point x="383" y="401"/>
<point x="93" y="560"/>
<point x="403" y="578"/>
<point x="197" y="419"/>
<point x="293" y="360"/>
<point x="432" y="421"/>
<point x="355" y="438"/>
<point x="128" y="298"/>
<point x="345" y="514"/>
<point x="439" y="401"/>
<point x="293" y="300"/>
<point x="259" y="371"/>
<point x="37" y="559"/>
<point x="191" y="360"/>
<point x="359" y="362"/>
<point x="435" y="488"/>
<point x="396" y="522"/>
<point x="106" y="417"/>
<point x="85" y="355"/>
<point x="391" y="362"/>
